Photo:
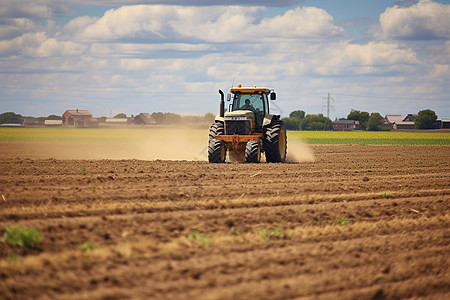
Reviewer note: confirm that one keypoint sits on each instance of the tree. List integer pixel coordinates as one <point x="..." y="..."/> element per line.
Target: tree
<point x="426" y="119"/>
<point x="291" y="123"/>
<point x="361" y="116"/>
<point x="10" y="117"/>
<point x="297" y="114"/>
<point x="158" y="117"/>
<point x="54" y="117"/>
<point x="171" y="118"/>
<point x="374" y="123"/>
<point x="316" y="122"/>
<point x="120" y="116"/>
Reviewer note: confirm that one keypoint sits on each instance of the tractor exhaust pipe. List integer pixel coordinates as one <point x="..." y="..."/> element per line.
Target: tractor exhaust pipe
<point x="222" y="104"/>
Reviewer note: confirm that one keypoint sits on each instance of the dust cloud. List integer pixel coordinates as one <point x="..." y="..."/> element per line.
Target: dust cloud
<point x="176" y="145"/>
<point x="299" y="152"/>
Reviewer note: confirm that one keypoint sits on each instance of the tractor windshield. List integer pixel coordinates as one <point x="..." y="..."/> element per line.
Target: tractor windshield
<point x="256" y="102"/>
<point x="253" y="102"/>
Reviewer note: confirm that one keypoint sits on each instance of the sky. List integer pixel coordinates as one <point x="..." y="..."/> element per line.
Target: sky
<point x="129" y="56"/>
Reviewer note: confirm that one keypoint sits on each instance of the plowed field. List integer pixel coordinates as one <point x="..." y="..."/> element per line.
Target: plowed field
<point x="360" y="222"/>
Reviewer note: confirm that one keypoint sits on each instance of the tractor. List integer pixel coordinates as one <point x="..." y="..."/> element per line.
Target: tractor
<point x="247" y="129"/>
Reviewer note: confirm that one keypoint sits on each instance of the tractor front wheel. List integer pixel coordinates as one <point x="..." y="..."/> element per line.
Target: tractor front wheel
<point x="217" y="151"/>
<point x="253" y="152"/>
<point x="217" y="128"/>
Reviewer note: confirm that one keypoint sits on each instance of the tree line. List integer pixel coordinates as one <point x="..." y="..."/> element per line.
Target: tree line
<point x="159" y="117"/>
<point x="299" y="120"/>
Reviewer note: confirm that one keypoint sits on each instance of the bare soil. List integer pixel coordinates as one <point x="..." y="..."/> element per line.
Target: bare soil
<point x="360" y="222"/>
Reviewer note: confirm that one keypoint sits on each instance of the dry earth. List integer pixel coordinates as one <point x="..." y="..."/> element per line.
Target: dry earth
<point x="193" y="230"/>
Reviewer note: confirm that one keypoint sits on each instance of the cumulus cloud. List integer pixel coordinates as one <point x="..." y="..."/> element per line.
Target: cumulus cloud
<point x="370" y="58"/>
<point x="211" y="24"/>
<point x="37" y="9"/>
<point x="13" y="27"/>
<point x="39" y="45"/>
<point x="424" y="20"/>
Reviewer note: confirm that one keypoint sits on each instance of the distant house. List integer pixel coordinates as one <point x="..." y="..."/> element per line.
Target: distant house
<point x="391" y="119"/>
<point x="31" y="122"/>
<point x="53" y="123"/>
<point x="443" y="123"/>
<point x="77" y="118"/>
<point x="345" y="125"/>
<point x="410" y="118"/>
<point x="144" y="119"/>
<point x="397" y="122"/>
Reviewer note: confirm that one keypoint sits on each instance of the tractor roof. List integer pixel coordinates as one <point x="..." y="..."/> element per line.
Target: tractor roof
<point x="249" y="90"/>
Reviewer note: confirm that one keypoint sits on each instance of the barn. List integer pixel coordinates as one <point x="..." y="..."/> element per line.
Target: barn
<point x="345" y="125"/>
<point x="144" y="119"/>
<point x="76" y="118"/>
<point x="397" y="122"/>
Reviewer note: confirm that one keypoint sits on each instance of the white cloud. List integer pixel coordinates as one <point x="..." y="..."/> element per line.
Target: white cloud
<point x="14" y="27"/>
<point x="371" y="58"/>
<point x="159" y="23"/>
<point x="422" y="21"/>
<point x="39" y="45"/>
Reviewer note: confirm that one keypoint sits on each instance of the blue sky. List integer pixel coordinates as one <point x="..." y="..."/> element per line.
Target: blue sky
<point x="390" y="57"/>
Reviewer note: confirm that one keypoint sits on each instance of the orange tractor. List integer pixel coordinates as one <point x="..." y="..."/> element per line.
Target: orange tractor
<point x="247" y="129"/>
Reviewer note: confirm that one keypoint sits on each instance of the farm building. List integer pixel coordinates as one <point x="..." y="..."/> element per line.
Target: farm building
<point x="345" y="125"/>
<point x="53" y="123"/>
<point x="31" y="122"/>
<point x="144" y="119"/>
<point x="77" y="118"/>
<point x="400" y="122"/>
<point x="443" y="123"/>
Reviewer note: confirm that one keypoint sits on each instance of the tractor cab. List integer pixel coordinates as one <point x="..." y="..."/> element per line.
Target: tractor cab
<point x="254" y="102"/>
<point x="249" y="103"/>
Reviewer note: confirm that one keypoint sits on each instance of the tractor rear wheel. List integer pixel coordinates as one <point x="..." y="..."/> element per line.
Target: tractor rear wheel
<point x="275" y="142"/>
<point x="217" y="128"/>
<point x="217" y="151"/>
<point x="253" y="152"/>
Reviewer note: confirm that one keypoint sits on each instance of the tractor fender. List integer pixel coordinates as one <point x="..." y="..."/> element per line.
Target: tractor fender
<point x="269" y="118"/>
<point x="219" y="119"/>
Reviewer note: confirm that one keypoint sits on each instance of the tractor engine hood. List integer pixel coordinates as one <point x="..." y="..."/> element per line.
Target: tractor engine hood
<point x="239" y="115"/>
<point x="239" y="122"/>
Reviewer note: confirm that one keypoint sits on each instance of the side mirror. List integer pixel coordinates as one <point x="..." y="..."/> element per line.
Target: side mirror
<point x="228" y="97"/>
<point x="273" y="96"/>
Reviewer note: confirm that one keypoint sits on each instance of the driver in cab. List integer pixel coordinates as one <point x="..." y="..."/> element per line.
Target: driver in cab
<point x="247" y="106"/>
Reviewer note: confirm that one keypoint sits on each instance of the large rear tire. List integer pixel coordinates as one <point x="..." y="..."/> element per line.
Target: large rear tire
<point x="275" y="142"/>
<point x="217" y="152"/>
<point x="217" y="128"/>
<point x="253" y="152"/>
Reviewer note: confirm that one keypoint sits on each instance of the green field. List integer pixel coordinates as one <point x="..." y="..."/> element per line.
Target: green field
<point x="310" y="137"/>
<point x="372" y="138"/>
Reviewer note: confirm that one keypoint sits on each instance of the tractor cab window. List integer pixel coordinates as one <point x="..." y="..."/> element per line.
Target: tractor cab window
<point x="256" y="102"/>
